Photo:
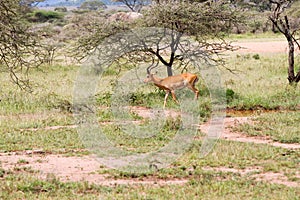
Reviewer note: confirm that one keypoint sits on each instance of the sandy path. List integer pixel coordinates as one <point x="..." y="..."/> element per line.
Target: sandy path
<point x="234" y="136"/>
<point x="86" y="168"/>
<point x="262" y="46"/>
<point x="83" y="168"/>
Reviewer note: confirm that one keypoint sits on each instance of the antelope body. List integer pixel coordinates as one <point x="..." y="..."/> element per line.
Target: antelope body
<point x="172" y="83"/>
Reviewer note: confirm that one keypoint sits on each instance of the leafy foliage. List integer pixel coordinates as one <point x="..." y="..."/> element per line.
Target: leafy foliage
<point x="197" y="19"/>
<point x="43" y="15"/>
<point x="203" y="21"/>
<point x="19" y="47"/>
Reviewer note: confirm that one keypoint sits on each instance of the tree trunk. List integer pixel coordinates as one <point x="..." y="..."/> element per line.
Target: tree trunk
<point x="291" y="72"/>
<point x="169" y="71"/>
<point x="297" y="78"/>
<point x="283" y="26"/>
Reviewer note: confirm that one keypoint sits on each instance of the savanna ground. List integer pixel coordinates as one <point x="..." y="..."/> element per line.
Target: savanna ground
<point x="257" y="156"/>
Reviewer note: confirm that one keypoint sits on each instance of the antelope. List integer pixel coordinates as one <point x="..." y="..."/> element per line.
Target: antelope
<point x="172" y="83"/>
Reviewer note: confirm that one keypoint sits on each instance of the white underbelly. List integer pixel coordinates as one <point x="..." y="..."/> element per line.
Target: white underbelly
<point x="179" y="85"/>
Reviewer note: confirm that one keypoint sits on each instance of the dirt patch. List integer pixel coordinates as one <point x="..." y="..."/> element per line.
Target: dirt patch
<point x="257" y="174"/>
<point x="73" y="169"/>
<point x="235" y="136"/>
<point x="150" y="113"/>
<point x="86" y="168"/>
<point x="262" y="46"/>
<point x="249" y="170"/>
<point x="50" y="128"/>
<point x="277" y="178"/>
<point x="227" y="133"/>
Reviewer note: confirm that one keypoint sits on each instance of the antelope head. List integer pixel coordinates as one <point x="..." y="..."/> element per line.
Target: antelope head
<point x="150" y="76"/>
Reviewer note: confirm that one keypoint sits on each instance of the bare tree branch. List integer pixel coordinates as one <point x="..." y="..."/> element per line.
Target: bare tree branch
<point x="282" y="22"/>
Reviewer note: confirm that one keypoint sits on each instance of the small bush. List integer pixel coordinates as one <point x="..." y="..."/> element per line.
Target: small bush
<point x="137" y="98"/>
<point x="172" y="124"/>
<point x="230" y="95"/>
<point x="61" y="9"/>
<point x="44" y="16"/>
<point x="256" y="56"/>
<point x="2" y="172"/>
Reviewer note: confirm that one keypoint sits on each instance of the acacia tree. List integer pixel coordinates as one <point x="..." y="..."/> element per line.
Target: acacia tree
<point x="290" y="30"/>
<point x="205" y="22"/>
<point x="134" y="5"/>
<point x="19" y="47"/>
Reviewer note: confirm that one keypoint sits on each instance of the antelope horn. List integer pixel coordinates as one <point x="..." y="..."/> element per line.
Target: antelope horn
<point x="148" y="69"/>
<point x="152" y="66"/>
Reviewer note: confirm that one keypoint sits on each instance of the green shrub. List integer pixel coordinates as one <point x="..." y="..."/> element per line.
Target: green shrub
<point x="2" y="172"/>
<point x="172" y="124"/>
<point x="256" y="56"/>
<point x="230" y="95"/>
<point x="61" y="9"/>
<point x="44" y="16"/>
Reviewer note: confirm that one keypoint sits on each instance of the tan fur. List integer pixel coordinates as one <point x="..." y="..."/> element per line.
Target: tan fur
<point x="171" y="83"/>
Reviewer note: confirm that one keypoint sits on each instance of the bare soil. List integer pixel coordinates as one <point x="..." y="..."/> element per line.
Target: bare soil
<point x="86" y="167"/>
<point x="234" y="136"/>
<point x="262" y="46"/>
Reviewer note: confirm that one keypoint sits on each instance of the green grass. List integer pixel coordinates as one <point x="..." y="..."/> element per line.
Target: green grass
<point x="154" y="138"/>
<point x="63" y="140"/>
<point x="44" y="16"/>
<point x="28" y="187"/>
<point x="280" y="126"/>
<point x="52" y="88"/>
<point x="228" y="154"/>
<point x="243" y="155"/>
<point x="266" y="36"/>
<point x="33" y="131"/>
<point x="24" y="118"/>
<point x="267" y="89"/>
<point x="35" y="121"/>
<point x="260" y="83"/>
<point x="205" y="186"/>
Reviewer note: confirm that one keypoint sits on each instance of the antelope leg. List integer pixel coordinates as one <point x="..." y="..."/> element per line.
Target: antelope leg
<point x="174" y="96"/>
<point x="166" y="96"/>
